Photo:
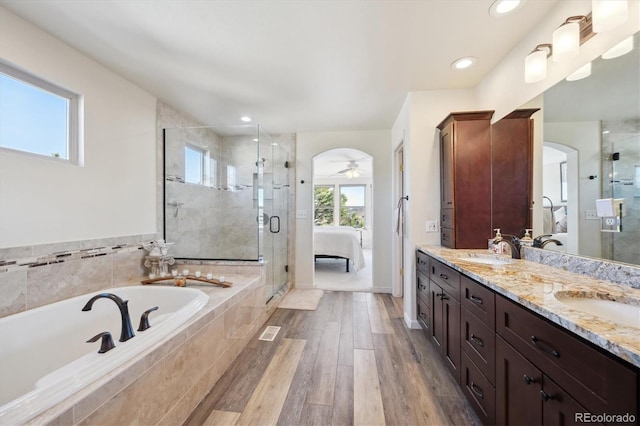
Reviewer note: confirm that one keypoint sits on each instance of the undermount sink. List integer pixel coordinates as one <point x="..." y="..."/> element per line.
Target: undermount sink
<point x="623" y="311"/>
<point x="488" y="260"/>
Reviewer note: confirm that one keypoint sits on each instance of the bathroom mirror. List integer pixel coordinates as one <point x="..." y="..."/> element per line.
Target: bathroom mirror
<point x="593" y="125"/>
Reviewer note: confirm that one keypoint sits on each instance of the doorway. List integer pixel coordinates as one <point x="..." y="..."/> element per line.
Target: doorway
<point x="342" y="220"/>
<point x="399" y="226"/>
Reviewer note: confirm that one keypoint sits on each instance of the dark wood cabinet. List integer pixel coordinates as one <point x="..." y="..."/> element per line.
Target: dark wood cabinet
<point x="465" y="179"/>
<point x="514" y="366"/>
<point x="486" y="173"/>
<point x="512" y="172"/>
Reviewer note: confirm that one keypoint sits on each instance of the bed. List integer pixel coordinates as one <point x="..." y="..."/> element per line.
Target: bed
<point x="338" y="242"/>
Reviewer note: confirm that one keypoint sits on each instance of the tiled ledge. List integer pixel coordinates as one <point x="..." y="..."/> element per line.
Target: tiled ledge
<point x="600" y="269"/>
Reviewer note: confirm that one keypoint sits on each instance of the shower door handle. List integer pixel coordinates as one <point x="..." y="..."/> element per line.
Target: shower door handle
<point x="271" y="224"/>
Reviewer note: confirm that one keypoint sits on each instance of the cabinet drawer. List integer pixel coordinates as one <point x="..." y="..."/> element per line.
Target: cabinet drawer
<point x="479" y="300"/>
<point x="479" y="392"/>
<point x="447" y="237"/>
<point x="422" y="262"/>
<point x="596" y="380"/>
<point x="424" y="315"/>
<point x="479" y="343"/>
<point x="422" y="286"/>
<point x="446" y="277"/>
<point x="447" y="218"/>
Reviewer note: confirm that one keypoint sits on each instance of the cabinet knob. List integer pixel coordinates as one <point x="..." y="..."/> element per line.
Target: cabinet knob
<point x="528" y="380"/>
<point x="545" y="396"/>
<point x="476" y="340"/>
<point x="423" y="287"/>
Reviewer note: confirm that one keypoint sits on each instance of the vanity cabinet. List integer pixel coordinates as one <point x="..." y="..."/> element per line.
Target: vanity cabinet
<point x="486" y="173"/>
<point x="422" y="290"/>
<point x="444" y="304"/>
<point x="579" y="374"/>
<point x="514" y="366"/>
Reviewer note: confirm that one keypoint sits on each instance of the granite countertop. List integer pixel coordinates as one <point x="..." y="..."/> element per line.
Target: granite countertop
<point x="534" y="286"/>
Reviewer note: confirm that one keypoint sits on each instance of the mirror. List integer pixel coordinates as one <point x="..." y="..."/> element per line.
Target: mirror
<point x="592" y="151"/>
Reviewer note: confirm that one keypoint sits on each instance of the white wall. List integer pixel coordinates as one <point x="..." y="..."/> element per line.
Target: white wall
<point x="584" y="136"/>
<point x="45" y="201"/>
<point x="416" y="128"/>
<point x="375" y="143"/>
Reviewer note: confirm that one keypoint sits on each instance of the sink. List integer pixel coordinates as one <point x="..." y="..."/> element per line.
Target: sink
<point x="620" y="310"/>
<point x="487" y="260"/>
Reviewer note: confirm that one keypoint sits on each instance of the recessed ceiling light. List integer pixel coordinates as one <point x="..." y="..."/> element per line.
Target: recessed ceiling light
<point x="245" y="118"/>
<point x="502" y="7"/>
<point x="462" y="63"/>
<point x="256" y="140"/>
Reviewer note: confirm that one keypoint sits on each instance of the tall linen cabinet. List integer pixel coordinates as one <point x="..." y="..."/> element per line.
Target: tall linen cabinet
<point x="485" y="176"/>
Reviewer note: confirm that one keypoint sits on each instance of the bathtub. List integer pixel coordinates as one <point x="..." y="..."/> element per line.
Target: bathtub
<point x="44" y="357"/>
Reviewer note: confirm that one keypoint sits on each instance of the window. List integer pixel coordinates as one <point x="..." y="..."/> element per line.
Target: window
<point x="352" y="205"/>
<point x="38" y="117"/>
<point x="323" y="201"/>
<point x="194" y="165"/>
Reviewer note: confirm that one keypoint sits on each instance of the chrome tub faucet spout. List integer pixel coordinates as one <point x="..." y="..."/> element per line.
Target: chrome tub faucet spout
<point x="127" y="330"/>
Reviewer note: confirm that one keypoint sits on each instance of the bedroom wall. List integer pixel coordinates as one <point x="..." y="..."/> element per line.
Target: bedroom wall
<point x="583" y="136"/>
<point x="376" y="143"/>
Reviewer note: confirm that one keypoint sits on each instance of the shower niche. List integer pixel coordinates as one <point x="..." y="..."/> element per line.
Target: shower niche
<point x="226" y="192"/>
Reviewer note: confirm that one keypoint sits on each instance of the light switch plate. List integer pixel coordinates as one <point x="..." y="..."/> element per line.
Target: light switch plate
<point x="302" y="214"/>
<point x="432" y="226"/>
<point x="591" y="215"/>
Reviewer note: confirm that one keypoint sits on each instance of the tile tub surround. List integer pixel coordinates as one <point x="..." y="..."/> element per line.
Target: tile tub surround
<point x="165" y="383"/>
<point x="33" y="276"/>
<point x="533" y="285"/>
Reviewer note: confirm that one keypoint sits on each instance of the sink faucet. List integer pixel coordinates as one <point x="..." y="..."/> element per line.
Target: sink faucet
<point x="127" y="329"/>
<point x="514" y="243"/>
<point x="539" y="243"/>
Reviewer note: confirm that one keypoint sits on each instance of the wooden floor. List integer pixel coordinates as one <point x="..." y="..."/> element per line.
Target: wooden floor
<point x="351" y="361"/>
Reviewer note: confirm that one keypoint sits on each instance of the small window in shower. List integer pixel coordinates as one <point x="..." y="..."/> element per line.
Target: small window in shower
<point x="194" y="165"/>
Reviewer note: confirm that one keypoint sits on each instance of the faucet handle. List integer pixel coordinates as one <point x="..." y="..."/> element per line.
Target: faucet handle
<point x="144" y="319"/>
<point x="106" y="344"/>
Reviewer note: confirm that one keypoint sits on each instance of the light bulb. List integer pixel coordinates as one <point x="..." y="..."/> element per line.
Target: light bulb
<point x="582" y="72"/>
<point x="535" y="66"/>
<point x="566" y="41"/>
<point x="622" y="48"/>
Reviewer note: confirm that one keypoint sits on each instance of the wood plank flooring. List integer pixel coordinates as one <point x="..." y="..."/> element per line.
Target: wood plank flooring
<point x="350" y="362"/>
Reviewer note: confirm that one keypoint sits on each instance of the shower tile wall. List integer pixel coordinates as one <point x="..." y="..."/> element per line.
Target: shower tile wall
<point x="620" y="180"/>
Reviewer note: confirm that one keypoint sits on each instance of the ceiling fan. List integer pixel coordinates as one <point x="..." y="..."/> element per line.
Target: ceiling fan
<point x="353" y="170"/>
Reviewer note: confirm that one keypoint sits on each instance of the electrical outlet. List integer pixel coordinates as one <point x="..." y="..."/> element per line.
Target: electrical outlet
<point x="591" y="215"/>
<point x="432" y="226"/>
<point x="302" y="214"/>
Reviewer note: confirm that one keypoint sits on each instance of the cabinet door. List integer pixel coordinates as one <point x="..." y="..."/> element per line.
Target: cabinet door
<point x="446" y="167"/>
<point x="436" y="309"/>
<point x="451" y="333"/>
<point x="518" y="385"/>
<point x="558" y="408"/>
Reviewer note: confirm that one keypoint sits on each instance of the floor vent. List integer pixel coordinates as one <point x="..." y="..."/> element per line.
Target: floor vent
<point x="269" y="333"/>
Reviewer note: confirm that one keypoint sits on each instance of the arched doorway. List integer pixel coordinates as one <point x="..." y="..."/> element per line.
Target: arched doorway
<point x="342" y="220"/>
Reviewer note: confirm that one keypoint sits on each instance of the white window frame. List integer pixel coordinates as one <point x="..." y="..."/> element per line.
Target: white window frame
<point x="203" y="164"/>
<point x="74" y="114"/>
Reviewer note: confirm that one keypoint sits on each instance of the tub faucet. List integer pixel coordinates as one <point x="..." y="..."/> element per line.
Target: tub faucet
<point x="513" y="242"/>
<point x="539" y="243"/>
<point x="127" y="329"/>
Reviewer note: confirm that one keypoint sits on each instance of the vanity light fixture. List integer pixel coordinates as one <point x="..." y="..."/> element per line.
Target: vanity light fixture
<point x="566" y="39"/>
<point x="582" y="72"/>
<point x="622" y="48"/>
<point x="608" y="14"/>
<point x="463" y="63"/>
<point x="535" y="64"/>
<point x="500" y="8"/>
<point x="245" y="118"/>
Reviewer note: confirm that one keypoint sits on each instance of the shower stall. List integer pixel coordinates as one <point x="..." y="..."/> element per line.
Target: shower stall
<point x="621" y="168"/>
<point x="226" y="192"/>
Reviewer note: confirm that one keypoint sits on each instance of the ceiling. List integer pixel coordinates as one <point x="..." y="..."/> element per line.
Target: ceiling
<point x="291" y="65"/>
<point x="329" y="163"/>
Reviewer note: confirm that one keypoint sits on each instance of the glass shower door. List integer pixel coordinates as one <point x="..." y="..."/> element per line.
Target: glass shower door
<point x="275" y="204"/>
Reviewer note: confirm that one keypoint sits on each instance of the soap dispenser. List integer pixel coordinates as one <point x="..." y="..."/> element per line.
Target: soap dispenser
<point x="527" y="240"/>
<point x="493" y="247"/>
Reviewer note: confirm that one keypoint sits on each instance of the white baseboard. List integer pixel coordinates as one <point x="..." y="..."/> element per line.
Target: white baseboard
<point x="412" y="324"/>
